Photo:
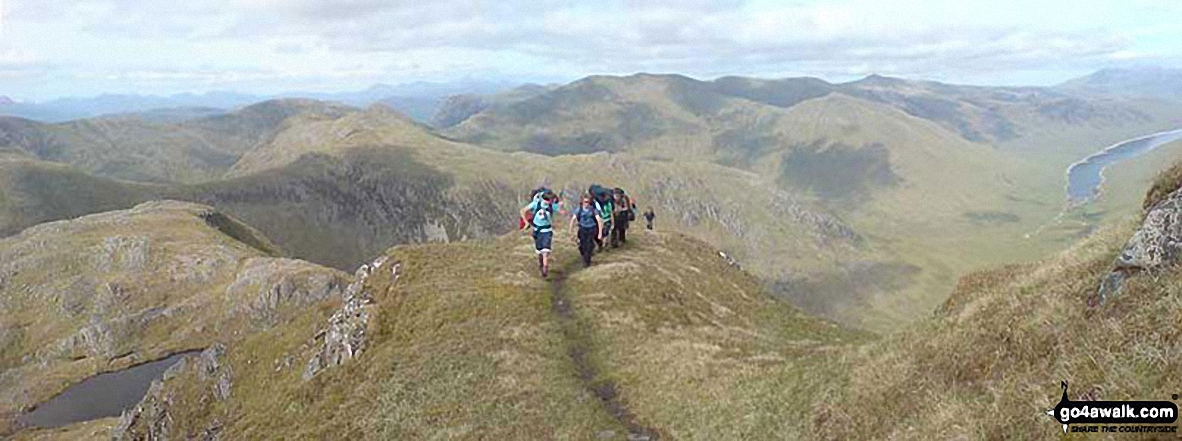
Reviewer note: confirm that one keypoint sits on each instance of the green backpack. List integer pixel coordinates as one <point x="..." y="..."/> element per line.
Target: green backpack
<point x="605" y="210"/>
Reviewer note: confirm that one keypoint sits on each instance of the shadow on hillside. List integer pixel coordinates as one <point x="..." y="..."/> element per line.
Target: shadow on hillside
<point x="837" y="172"/>
<point x="853" y="286"/>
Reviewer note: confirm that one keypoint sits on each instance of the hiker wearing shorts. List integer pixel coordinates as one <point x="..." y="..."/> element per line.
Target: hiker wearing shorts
<point x="586" y="217"/>
<point x="542" y="209"/>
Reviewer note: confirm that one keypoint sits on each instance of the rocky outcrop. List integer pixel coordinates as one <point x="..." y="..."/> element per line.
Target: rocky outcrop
<point x="1155" y="246"/>
<point x="152" y="418"/>
<point x="346" y="335"/>
<point x="267" y="286"/>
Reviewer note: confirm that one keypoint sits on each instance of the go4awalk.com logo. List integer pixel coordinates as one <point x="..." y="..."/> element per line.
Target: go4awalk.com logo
<point x="1145" y="417"/>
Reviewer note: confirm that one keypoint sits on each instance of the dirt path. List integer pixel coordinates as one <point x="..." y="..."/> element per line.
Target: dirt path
<point x="578" y="343"/>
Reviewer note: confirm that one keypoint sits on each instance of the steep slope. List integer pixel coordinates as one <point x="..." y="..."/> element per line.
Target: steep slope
<point x="464" y="340"/>
<point x="991" y="361"/>
<point x="342" y="209"/>
<point x="111" y="290"/>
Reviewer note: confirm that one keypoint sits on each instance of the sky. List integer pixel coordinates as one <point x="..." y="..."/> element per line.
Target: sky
<point x="56" y="48"/>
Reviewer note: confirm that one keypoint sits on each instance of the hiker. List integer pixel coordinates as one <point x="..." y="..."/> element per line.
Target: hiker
<point x="586" y="216"/>
<point x="542" y="209"/>
<point x="603" y="198"/>
<point x="623" y="215"/>
<point x="648" y="218"/>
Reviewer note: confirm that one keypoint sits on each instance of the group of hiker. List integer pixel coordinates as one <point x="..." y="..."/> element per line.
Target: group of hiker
<point x="599" y="222"/>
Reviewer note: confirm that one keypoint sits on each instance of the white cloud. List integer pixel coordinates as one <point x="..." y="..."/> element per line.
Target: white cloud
<point x="347" y="42"/>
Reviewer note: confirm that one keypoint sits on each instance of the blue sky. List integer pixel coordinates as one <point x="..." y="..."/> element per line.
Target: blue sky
<point x="52" y="48"/>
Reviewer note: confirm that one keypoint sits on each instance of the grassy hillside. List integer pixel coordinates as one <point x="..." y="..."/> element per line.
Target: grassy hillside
<point x="142" y="149"/>
<point x="106" y="291"/>
<point x="32" y="192"/>
<point x="990" y="362"/>
<point x="466" y="341"/>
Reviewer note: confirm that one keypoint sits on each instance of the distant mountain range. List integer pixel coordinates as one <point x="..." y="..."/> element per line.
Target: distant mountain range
<point x="419" y="100"/>
<point x="445" y="104"/>
<point x="1154" y="82"/>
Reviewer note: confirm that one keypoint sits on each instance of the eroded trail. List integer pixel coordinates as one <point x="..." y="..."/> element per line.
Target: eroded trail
<point x="578" y="343"/>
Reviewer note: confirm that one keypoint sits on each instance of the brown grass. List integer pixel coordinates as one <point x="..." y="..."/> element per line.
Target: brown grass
<point x="1167" y="182"/>
<point x="990" y="366"/>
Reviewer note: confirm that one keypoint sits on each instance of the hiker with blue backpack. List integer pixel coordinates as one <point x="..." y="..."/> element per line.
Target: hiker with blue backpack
<point x="586" y="216"/>
<point x="539" y="214"/>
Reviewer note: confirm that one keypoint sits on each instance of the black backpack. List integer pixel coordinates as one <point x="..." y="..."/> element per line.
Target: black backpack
<point x="600" y="193"/>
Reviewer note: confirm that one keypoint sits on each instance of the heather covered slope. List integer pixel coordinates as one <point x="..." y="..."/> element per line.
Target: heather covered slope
<point x="465" y="340"/>
<point x="990" y="362"/>
<point x="109" y="290"/>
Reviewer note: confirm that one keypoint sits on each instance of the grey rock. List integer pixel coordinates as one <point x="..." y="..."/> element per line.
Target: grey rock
<point x="149" y="420"/>
<point x="221" y="388"/>
<point x="211" y="366"/>
<point x="345" y="337"/>
<point x="210" y="361"/>
<point x="269" y="285"/>
<point x="1156" y="245"/>
<point x="122" y="253"/>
